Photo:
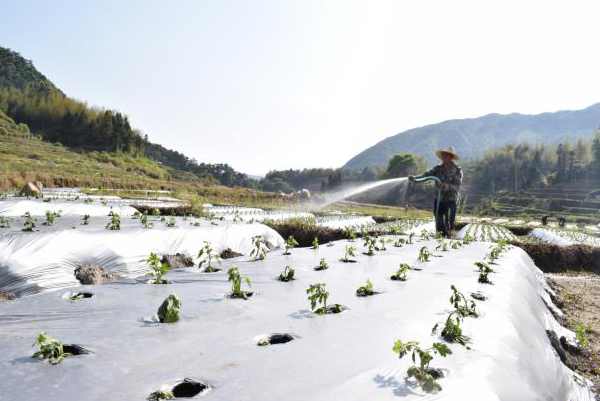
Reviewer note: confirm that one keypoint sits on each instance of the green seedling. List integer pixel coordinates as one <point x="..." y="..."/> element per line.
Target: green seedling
<point x="168" y="311"/>
<point x="350" y="252"/>
<point x="483" y="267"/>
<point x="286" y="275"/>
<point x="259" y="250"/>
<point x="351" y="234"/>
<point x="400" y="275"/>
<point x="425" y="235"/>
<point x="160" y="395"/>
<point x="155" y="212"/>
<point x="422" y="373"/>
<point x="369" y="243"/>
<point x="323" y="265"/>
<point x="5" y="221"/>
<point x="365" y="290"/>
<point x="382" y="242"/>
<point x="409" y="241"/>
<point x="158" y="269"/>
<point x="206" y="257"/>
<point x="452" y="332"/>
<point x="50" y="350"/>
<point x="171" y="222"/>
<point x="442" y="245"/>
<point x="394" y="231"/>
<point x="424" y="254"/>
<point x="438" y="235"/>
<point x="484" y="278"/>
<point x="114" y="223"/>
<point x="399" y="242"/>
<point x="315" y="243"/>
<point x="455" y="244"/>
<point x="581" y="335"/>
<point x="290" y="244"/>
<point x="88" y="200"/>
<point x="317" y="294"/>
<point x="29" y="224"/>
<point x="145" y="222"/>
<point x="136" y="215"/>
<point x="85" y="220"/>
<point x="460" y="303"/>
<point x="236" y="284"/>
<point x="50" y="217"/>
<point x="103" y="201"/>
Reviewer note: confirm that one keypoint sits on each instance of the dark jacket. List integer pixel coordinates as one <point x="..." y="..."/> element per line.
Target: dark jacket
<point x="451" y="180"/>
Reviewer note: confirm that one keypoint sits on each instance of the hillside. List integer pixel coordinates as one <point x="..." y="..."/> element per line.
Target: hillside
<point x="473" y="136"/>
<point x="28" y="97"/>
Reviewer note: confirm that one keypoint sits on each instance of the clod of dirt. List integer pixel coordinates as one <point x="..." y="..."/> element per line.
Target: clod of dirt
<point x="177" y="261"/>
<point x="6" y="297"/>
<point x="94" y="274"/>
<point x="557" y="346"/>
<point x="75" y="349"/>
<point x="228" y="254"/>
<point x="188" y="388"/>
<point x="276" y="338"/>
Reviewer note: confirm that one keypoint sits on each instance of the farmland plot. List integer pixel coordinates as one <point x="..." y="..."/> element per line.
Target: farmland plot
<point x="485" y="232"/>
<point x="272" y="343"/>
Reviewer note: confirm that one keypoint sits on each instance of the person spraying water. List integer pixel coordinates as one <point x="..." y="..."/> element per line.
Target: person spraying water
<point x="448" y="178"/>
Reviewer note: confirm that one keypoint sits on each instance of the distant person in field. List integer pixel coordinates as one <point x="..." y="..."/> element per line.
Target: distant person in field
<point x="451" y="177"/>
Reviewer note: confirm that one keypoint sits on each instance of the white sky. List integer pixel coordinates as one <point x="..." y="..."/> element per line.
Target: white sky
<point x="289" y="84"/>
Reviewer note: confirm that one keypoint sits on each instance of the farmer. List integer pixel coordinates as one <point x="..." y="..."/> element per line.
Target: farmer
<point x="451" y="178"/>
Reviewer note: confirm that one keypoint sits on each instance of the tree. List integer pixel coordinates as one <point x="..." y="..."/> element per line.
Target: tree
<point x="404" y="164"/>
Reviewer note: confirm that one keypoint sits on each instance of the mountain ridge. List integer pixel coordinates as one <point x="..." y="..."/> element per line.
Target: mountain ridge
<point x="473" y="136"/>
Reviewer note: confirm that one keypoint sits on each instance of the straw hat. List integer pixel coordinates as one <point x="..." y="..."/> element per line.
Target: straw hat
<point x="449" y="150"/>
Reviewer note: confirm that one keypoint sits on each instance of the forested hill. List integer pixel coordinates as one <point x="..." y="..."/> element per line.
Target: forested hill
<point x="28" y="97"/>
<point x="473" y="136"/>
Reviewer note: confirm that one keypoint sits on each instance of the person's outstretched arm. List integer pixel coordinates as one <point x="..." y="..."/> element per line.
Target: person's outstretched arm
<point x="429" y="173"/>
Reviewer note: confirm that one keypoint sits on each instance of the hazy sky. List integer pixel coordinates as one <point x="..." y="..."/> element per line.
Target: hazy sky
<point x="287" y="84"/>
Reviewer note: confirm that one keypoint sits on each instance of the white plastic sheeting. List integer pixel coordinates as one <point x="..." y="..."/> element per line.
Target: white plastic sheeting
<point x="564" y="237"/>
<point x="33" y="262"/>
<point x="337" y="357"/>
<point x="485" y="232"/>
<point x="37" y="207"/>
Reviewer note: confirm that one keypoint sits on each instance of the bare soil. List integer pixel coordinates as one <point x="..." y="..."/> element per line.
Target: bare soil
<point x="578" y="296"/>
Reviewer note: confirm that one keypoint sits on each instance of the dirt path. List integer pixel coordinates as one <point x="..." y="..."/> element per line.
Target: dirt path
<point x="578" y="296"/>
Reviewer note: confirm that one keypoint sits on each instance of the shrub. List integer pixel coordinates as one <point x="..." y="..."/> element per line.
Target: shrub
<point x="168" y="311"/>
